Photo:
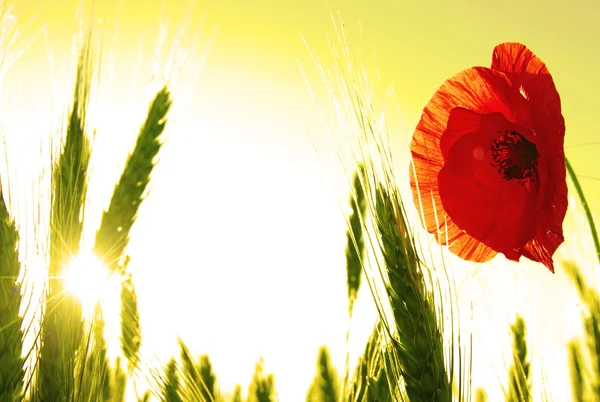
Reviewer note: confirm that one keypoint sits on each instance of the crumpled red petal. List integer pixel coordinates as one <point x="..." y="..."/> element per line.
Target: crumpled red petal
<point x="528" y="73"/>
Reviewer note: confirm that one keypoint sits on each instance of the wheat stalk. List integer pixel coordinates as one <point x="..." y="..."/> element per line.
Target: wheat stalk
<point x="262" y="387"/>
<point x="11" y="335"/>
<point x="131" y="330"/>
<point x="62" y="321"/>
<point x="95" y="381"/>
<point x="480" y="395"/>
<point x="208" y="378"/>
<point x="419" y="344"/>
<point x="113" y="235"/>
<point x="577" y="371"/>
<point x="324" y="387"/>
<point x="355" y="245"/>
<point x="519" y="388"/>
<point x="591" y="326"/>
<point x="199" y="380"/>
<point x="370" y="382"/>
<point x="237" y="394"/>
<point x="145" y="397"/>
<point x="171" y="387"/>
<point x="192" y="383"/>
<point x="416" y="352"/>
<point x="118" y="380"/>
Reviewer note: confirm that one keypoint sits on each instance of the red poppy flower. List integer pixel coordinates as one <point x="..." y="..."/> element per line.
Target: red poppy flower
<point x="489" y="162"/>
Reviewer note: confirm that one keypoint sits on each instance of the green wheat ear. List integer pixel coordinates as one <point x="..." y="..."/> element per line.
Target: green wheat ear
<point x="237" y="394"/>
<point x="62" y="323"/>
<point x="480" y="395"/>
<point x="171" y="387"/>
<point x="325" y="385"/>
<point x="192" y="383"/>
<point x="118" y="382"/>
<point x="11" y="335"/>
<point x="355" y="246"/>
<point x="199" y="380"/>
<point x="95" y="378"/>
<point x="416" y="353"/>
<point x="131" y="330"/>
<point x="519" y="387"/>
<point x="262" y="387"/>
<point x="577" y="371"/>
<point x="113" y="235"/>
<point x="591" y="325"/>
<point x="370" y="382"/>
<point x="419" y="344"/>
<point x="145" y="397"/>
<point x="208" y="377"/>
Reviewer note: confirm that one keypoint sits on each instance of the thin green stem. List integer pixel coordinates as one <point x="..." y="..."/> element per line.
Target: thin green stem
<point x="586" y="207"/>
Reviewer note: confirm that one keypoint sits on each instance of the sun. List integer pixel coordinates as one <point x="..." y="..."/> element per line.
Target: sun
<point x="88" y="279"/>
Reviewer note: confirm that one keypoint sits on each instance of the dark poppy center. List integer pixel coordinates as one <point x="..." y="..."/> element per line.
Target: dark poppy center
<point x="515" y="157"/>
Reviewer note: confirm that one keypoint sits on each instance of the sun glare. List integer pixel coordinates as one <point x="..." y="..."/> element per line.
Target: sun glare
<point x="89" y="280"/>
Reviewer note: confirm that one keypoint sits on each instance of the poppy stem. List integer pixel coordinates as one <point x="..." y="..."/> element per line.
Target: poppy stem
<point x="586" y="208"/>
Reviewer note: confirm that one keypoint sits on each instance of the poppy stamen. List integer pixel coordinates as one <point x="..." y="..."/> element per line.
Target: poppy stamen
<point x="515" y="157"/>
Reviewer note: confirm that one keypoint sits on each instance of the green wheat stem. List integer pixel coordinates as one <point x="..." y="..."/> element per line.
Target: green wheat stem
<point x="586" y="207"/>
<point x="11" y="335"/>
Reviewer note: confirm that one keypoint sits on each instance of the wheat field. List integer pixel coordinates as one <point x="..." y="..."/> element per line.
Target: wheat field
<point x="212" y="202"/>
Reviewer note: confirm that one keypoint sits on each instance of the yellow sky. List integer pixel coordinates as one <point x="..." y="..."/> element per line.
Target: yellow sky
<point x="242" y="226"/>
